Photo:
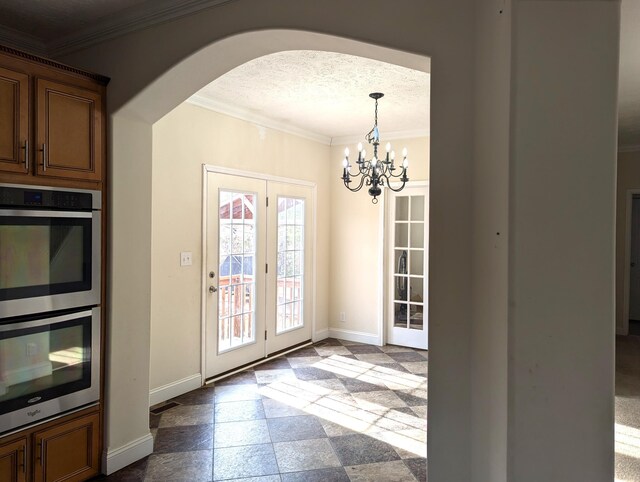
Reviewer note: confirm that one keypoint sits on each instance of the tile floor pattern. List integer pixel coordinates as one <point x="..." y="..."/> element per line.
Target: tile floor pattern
<point x="334" y="411"/>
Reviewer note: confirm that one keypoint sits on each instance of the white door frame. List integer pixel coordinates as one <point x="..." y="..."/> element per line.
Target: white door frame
<point x="624" y="329"/>
<point x="209" y="168"/>
<point x="384" y="286"/>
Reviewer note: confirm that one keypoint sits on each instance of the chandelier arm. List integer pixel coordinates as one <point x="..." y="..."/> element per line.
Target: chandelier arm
<point x="355" y="189"/>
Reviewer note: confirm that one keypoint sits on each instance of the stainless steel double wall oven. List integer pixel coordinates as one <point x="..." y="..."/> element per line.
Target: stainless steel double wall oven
<point x="50" y="268"/>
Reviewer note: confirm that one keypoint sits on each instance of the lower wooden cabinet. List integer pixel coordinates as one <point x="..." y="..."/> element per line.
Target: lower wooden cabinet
<point x="13" y="461"/>
<point x="66" y="450"/>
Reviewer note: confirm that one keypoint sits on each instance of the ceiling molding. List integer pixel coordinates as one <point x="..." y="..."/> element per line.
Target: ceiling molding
<point x="387" y="135"/>
<point x="130" y="20"/>
<point x="245" y="115"/>
<point x="21" y="41"/>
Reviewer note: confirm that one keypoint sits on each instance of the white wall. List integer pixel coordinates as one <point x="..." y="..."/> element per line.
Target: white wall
<point x="562" y="205"/>
<point x="356" y="245"/>
<point x="183" y="140"/>
<point x="562" y="158"/>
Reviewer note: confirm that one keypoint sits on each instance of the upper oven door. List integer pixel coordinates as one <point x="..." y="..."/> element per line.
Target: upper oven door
<point x="49" y="260"/>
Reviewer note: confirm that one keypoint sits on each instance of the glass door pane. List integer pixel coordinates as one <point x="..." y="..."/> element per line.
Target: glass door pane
<point x="290" y="264"/>
<point x="236" y="269"/>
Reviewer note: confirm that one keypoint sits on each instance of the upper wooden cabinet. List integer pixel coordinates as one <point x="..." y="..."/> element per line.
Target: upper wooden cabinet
<point x="52" y="122"/>
<point x="14" y="121"/>
<point x="68" y="131"/>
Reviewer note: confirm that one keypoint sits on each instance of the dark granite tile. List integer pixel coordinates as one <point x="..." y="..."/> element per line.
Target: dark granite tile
<point x="304" y="427"/>
<point x="409" y="399"/>
<point x="334" y="474"/>
<point x="201" y="396"/>
<point x="418" y="468"/>
<point x="406" y="410"/>
<point x="300" y="455"/>
<point x="407" y="356"/>
<point x="359" y="349"/>
<point x="280" y="362"/>
<point x="357" y="449"/>
<point x="238" y="411"/>
<point x="180" y="467"/>
<point x="247" y="461"/>
<point x="242" y="378"/>
<point x="186" y="438"/>
<point x="393" y="366"/>
<point x="328" y="342"/>
<point x="353" y="385"/>
<point x="312" y="373"/>
<point x="131" y="473"/>
<point x="306" y="351"/>
<point x="423" y="353"/>
<point x="154" y="420"/>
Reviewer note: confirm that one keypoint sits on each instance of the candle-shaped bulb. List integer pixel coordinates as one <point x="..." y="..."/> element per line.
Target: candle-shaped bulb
<point x="346" y="152"/>
<point x="405" y="163"/>
<point x="404" y="152"/>
<point x="345" y="163"/>
<point x="374" y="161"/>
<point x="364" y="153"/>
<point x="393" y="155"/>
<point x="388" y="147"/>
<point x="359" y="146"/>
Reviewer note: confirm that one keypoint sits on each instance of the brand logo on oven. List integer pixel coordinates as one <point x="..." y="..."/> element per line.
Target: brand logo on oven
<point x="34" y="399"/>
<point x="34" y="413"/>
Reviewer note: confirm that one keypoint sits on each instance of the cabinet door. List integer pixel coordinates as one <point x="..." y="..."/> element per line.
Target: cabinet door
<point x="67" y="452"/>
<point x="14" y="121"/>
<point x="68" y="131"/>
<point x="13" y="461"/>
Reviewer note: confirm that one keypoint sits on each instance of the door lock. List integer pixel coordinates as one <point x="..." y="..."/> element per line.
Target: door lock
<point x="212" y="274"/>
<point x="212" y="289"/>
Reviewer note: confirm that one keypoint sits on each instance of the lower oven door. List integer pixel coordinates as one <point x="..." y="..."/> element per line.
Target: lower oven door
<point x="48" y="366"/>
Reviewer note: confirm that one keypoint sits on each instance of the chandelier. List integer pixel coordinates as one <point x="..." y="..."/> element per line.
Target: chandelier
<point x="375" y="173"/>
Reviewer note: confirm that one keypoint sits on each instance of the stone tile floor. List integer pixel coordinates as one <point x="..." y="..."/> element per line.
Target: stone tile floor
<point x="334" y="411"/>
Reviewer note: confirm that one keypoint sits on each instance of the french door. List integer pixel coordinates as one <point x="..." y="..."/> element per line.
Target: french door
<point x="258" y="289"/>
<point x="407" y="258"/>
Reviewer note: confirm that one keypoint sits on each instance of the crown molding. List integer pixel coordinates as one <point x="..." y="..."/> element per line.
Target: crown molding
<point x="21" y="41"/>
<point x="388" y="135"/>
<point x="129" y="20"/>
<point x="246" y="115"/>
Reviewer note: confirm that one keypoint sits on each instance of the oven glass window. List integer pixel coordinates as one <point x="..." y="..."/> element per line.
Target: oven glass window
<point x="44" y="256"/>
<point x="44" y="362"/>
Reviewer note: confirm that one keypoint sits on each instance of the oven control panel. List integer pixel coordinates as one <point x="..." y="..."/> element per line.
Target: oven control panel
<point x="34" y="198"/>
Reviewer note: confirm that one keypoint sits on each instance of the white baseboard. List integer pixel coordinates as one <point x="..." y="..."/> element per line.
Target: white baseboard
<point x="116" y="459"/>
<point x="320" y="335"/>
<point x="356" y="336"/>
<point x="174" y="389"/>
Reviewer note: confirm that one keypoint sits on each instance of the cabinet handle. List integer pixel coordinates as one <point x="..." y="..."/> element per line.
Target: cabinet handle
<point x="26" y="155"/>
<point x="44" y="157"/>
<point x="39" y="450"/>
<point x="23" y="464"/>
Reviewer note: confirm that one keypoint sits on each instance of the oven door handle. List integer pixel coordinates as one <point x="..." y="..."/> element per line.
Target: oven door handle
<point x="9" y="326"/>
<point x="44" y="214"/>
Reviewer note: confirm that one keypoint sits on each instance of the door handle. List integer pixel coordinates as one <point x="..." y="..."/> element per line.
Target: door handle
<point x="44" y="157"/>
<point x="26" y="155"/>
<point x="212" y="289"/>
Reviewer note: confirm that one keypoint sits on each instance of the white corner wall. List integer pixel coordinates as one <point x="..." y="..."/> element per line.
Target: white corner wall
<point x="357" y="254"/>
<point x="561" y="257"/>
<point x="184" y="140"/>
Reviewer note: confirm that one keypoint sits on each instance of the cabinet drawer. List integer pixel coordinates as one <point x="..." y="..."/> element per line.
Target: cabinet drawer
<point x="13" y="461"/>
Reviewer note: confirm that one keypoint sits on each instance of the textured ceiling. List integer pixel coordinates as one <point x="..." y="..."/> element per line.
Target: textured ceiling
<point x="325" y="93"/>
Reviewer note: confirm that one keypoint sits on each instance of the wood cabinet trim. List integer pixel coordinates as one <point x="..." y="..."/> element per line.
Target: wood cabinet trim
<point x="51" y="63"/>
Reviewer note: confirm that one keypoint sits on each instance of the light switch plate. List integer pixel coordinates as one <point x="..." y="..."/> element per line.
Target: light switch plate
<point x="185" y="258"/>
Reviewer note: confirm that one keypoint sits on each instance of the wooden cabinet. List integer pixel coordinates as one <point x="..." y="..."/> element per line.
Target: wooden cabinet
<point x="13" y="461"/>
<point x="68" y="131"/>
<point x="14" y="121"/>
<point x="67" y="452"/>
<point x="52" y="122"/>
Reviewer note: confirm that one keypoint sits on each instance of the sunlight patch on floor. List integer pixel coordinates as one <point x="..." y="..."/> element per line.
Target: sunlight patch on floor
<point x="360" y="411"/>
